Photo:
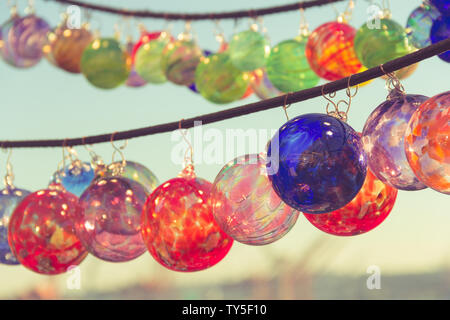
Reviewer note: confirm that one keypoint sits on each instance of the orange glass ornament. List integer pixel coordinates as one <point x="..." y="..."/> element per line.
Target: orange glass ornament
<point x="330" y="51"/>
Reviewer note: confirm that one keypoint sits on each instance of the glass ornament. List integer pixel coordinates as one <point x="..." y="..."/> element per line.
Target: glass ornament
<point x="23" y="40"/>
<point x="108" y="221"/>
<point x="330" y="51"/>
<point x="382" y="43"/>
<point x="317" y="163"/>
<point x="441" y="31"/>
<point x="249" y="50"/>
<point x="179" y="61"/>
<point x="287" y="67"/>
<point x="366" y="211"/>
<point x="262" y="86"/>
<point x="418" y="25"/>
<point x="219" y="81"/>
<point x="148" y="60"/>
<point x="249" y="91"/>
<point x="442" y="5"/>
<point x="41" y="231"/>
<point x="75" y="177"/>
<point x="10" y="197"/>
<point x="383" y="139"/>
<point x="145" y="37"/>
<point x="105" y="64"/>
<point x="245" y="205"/>
<point x="193" y="87"/>
<point x="178" y="225"/>
<point x="134" y="79"/>
<point x="427" y="142"/>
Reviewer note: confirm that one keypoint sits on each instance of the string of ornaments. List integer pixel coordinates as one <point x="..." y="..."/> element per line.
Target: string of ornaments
<point x="246" y="65"/>
<point x="344" y="182"/>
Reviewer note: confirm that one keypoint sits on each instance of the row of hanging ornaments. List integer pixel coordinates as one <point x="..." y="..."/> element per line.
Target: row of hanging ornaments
<point x="247" y="64"/>
<point x="344" y="182"/>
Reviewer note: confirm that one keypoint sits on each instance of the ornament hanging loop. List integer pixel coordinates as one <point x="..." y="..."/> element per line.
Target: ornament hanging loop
<point x="393" y="83"/>
<point x="188" y="161"/>
<point x="96" y="161"/>
<point x="30" y="7"/>
<point x="337" y="113"/>
<point x="303" y="30"/>
<point x="285" y="107"/>
<point x="119" y="150"/>
<point x="9" y="176"/>
<point x="218" y="32"/>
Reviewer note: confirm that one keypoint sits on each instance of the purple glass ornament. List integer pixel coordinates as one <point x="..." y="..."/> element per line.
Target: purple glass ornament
<point x="262" y="86"/>
<point x="134" y="79"/>
<point x="441" y="31"/>
<point x="442" y="5"/>
<point x="383" y="139"/>
<point x="192" y="87"/>
<point x="108" y="222"/>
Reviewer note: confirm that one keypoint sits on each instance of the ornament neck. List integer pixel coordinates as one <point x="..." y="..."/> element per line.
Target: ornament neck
<point x="188" y="172"/>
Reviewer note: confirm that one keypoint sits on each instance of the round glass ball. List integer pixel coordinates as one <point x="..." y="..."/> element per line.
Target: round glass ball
<point x="249" y="50"/>
<point x="440" y="30"/>
<point x="148" y="60"/>
<point x="418" y="25"/>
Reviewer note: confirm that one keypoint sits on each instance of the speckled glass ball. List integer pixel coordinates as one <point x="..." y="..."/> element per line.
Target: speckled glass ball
<point x="441" y="31"/>
<point x="427" y="142"/>
<point x="330" y="51"/>
<point x="179" y="61"/>
<point x="249" y="50"/>
<point x="10" y="197"/>
<point x="108" y="221"/>
<point x="378" y="45"/>
<point x="262" y="86"/>
<point x="383" y="138"/>
<point x="179" y="227"/>
<point x="419" y="24"/>
<point x="41" y="231"/>
<point x="219" y="81"/>
<point x="442" y="5"/>
<point x="287" y="67"/>
<point x="148" y="60"/>
<point x="316" y="163"/>
<point x="366" y="211"/>
<point x="76" y="177"/>
<point x="245" y="205"/>
<point x="105" y="64"/>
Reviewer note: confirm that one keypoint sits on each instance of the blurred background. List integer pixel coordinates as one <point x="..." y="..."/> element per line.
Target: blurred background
<point x="410" y="248"/>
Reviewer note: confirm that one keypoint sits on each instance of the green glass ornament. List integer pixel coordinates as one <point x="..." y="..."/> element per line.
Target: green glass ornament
<point x="288" y="68"/>
<point x="249" y="50"/>
<point x="148" y="60"/>
<point x="179" y="61"/>
<point x="377" y="42"/>
<point x="219" y="81"/>
<point x="105" y="64"/>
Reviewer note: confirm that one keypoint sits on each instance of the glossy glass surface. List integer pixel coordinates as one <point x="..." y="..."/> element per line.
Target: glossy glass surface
<point x="419" y="24"/>
<point x="249" y="50"/>
<point x="262" y="86"/>
<point x="442" y="5"/>
<point x="148" y="60"/>
<point x="76" y="177"/>
<point x="441" y="31"/>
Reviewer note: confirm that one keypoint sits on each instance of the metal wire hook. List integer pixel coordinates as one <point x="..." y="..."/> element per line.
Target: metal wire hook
<point x="286" y="107"/>
<point x="187" y="159"/>
<point x="119" y="150"/>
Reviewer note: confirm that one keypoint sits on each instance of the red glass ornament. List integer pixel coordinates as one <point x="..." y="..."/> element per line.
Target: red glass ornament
<point x="178" y="225"/>
<point x="41" y="232"/>
<point x="366" y="211"/>
<point x="144" y="38"/>
<point x="330" y="51"/>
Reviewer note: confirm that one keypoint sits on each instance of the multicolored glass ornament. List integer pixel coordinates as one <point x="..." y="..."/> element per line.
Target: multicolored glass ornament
<point x="10" y="197"/>
<point x="427" y="142"/>
<point x="75" y="177"/>
<point x="41" y="232"/>
<point x="419" y="24"/>
<point x="441" y="31"/>
<point x="108" y="221"/>
<point x="105" y="64"/>
<point x="23" y="39"/>
<point x="219" y="81"/>
<point x="316" y="163"/>
<point x="134" y="79"/>
<point x="383" y="139"/>
<point x="262" y="86"/>
<point x="249" y="50"/>
<point x="330" y="51"/>
<point x="287" y="67"/>
<point x="193" y="87"/>
<point x="377" y="42"/>
<point x="179" y="227"/>
<point x="366" y="211"/>
<point x="442" y="5"/>
<point x="245" y="205"/>
<point x="179" y="61"/>
<point x="145" y="37"/>
<point x="148" y="59"/>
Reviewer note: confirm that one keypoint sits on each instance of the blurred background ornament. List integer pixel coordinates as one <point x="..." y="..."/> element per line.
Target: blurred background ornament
<point x="419" y="24"/>
<point x="262" y="86"/>
<point x="134" y="79"/>
<point x="193" y="87"/>
<point x="178" y="225"/>
<point x="330" y="51"/>
<point x="108" y="219"/>
<point x="287" y="66"/>
<point x="105" y="64"/>
<point x="383" y="139"/>
<point x="75" y="177"/>
<point x="249" y="50"/>
<point x="144" y="38"/>
<point x="245" y="205"/>
<point x="442" y="5"/>
<point x="41" y="232"/>
<point x="219" y="81"/>
<point x="366" y="211"/>
<point x="441" y="31"/>
<point x="316" y="163"/>
<point x="427" y="142"/>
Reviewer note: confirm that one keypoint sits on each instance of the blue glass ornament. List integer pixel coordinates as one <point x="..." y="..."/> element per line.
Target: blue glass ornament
<point x="419" y="25"/>
<point x="10" y="197"/>
<point x="316" y="163"/>
<point x="193" y="87"/>
<point x="76" y="177"/>
<point x="441" y="31"/>
<point x="442" y="5"/>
